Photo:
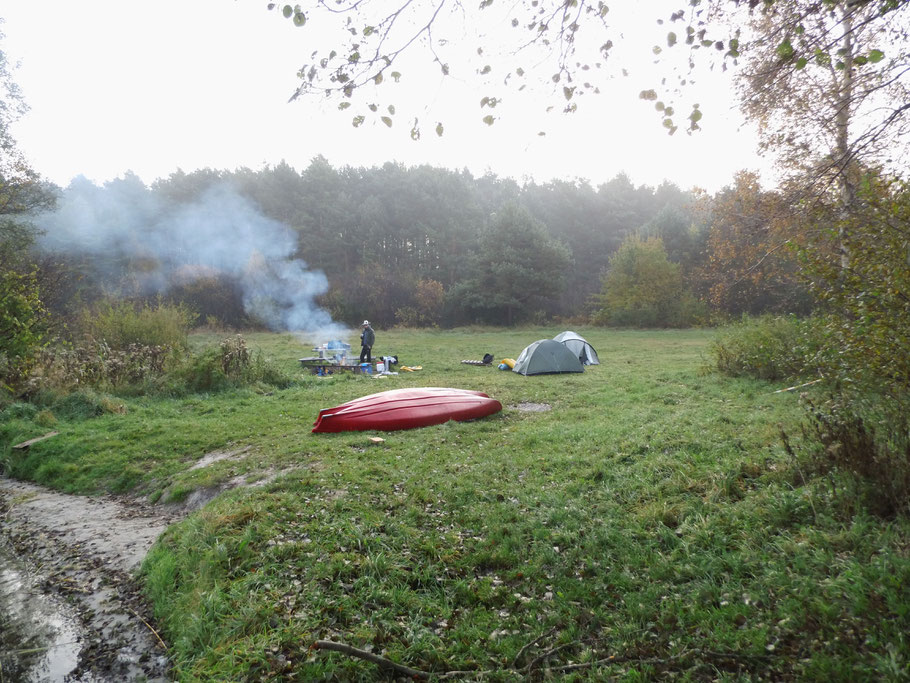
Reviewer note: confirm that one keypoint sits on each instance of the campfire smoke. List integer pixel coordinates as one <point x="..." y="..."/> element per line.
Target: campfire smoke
<point x="219" y="233"/>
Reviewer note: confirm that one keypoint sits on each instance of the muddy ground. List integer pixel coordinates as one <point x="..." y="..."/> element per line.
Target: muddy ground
<point x="85" y="551"/>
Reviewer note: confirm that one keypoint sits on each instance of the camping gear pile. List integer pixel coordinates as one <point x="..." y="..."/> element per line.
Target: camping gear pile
<point x="385" y="363"/>
<point x="487" y="360"/>
<point x="334" y="356"/>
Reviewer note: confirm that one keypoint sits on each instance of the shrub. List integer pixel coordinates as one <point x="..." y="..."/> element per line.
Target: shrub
<point x="22" y="326"/>
<point x="768" y="347"/>
<point x="82" y="404"/>
<point x="862" y="445"/>
<point x="138" y="369"/>
<point x="121" y="324"/>
<point x="18" y="411"/>
<point x="264" y="371"/>
<point x="235" y="356"/>
<point x="242" y="367"/>
<point x="96" y="364"/>
<point x="200" y="372"/>
<point x="228" y="366"/>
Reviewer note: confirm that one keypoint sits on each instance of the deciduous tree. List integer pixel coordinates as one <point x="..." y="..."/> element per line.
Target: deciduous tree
<point x="829" y="85"/>
<point x="642" y="288"/>
<point x="750" y="264"/>
<point x="22" y="191"/>
<point x="868" y="303"/>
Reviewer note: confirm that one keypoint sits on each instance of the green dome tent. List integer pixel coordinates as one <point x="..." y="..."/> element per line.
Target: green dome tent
<point x="579" y="346"/>
<point x="547" y="356"/>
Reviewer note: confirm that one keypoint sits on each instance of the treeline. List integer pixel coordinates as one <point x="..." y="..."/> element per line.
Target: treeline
<point x="429" y="246"/>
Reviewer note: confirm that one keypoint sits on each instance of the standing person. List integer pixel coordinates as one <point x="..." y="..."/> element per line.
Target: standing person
<point x="367" y="339"/>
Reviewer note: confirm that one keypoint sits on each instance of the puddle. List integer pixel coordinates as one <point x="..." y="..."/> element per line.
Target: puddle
<point x="40" y="636"/>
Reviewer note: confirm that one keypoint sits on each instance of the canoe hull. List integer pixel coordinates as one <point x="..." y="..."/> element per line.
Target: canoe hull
<point x="406" y="409"/>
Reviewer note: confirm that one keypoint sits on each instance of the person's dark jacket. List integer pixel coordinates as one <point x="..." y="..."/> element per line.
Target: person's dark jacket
<point x="368" y="338"/>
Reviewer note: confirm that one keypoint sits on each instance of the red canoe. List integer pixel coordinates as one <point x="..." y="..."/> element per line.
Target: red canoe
<point x="406" y="409"/>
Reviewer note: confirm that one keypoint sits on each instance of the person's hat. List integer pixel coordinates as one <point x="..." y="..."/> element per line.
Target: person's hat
<point x="366" y="322"/>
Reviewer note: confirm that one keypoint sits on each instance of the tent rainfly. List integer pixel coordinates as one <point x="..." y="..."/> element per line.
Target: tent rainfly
<point x="579" y="346"/>
<point x="547" y="356"/>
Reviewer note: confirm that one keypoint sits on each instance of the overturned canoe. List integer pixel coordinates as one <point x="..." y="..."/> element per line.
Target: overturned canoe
<point x="406" y="409"/>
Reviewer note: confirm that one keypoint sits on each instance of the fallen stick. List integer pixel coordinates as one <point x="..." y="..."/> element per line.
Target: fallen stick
<point x="799" y="386"/>
<point x="149" y="627"/>
<point x="546" y="655"/>
<point x="370" y="657"/>
<point x="528" y="646"/>
<point x="25" y="444"/>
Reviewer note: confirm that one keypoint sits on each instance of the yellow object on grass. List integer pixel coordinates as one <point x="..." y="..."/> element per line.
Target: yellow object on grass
<point x="509" y="361"/>
<point x="405" y="368"/>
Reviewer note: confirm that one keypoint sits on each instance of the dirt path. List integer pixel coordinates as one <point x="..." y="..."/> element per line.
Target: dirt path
<point x="86" y="550"/>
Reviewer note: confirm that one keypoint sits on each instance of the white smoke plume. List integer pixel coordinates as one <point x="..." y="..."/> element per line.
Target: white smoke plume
<point x="218" y="232"/>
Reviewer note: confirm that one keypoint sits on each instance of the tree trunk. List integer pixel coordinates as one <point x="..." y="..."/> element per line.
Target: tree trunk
<point x="846" y="189"/>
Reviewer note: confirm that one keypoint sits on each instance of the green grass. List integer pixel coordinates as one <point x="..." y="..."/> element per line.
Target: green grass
<point x="651" y="516"/>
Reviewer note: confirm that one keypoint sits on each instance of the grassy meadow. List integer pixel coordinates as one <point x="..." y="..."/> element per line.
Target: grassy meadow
<point x="649" y="524"/>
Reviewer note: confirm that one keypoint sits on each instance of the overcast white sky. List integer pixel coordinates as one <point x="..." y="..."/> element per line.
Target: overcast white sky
<point x="119" y="85"/>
